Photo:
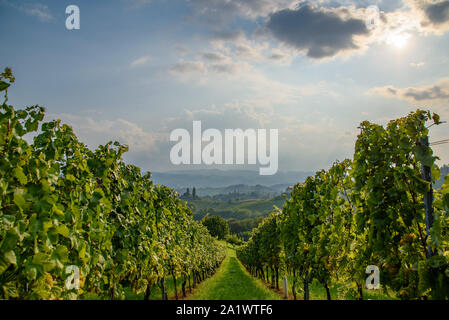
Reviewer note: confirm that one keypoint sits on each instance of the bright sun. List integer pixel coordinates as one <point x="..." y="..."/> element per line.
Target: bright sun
<point x="399" y="40"/>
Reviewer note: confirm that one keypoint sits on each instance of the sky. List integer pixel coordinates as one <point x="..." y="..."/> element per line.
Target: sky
<point x="314" y="70"/>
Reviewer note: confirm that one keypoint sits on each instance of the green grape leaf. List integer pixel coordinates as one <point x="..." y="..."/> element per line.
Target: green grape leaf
<point x="4" y="85"/>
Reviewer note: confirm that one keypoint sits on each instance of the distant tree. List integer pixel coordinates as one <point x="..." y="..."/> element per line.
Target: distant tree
<point x="234" y="239"/>
<point x="187" y="194"/>
<point x="217" y="226"/>
<point x="194" y="193"/>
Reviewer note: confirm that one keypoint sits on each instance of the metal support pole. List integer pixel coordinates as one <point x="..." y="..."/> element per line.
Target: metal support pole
<point x="428" y="197"/>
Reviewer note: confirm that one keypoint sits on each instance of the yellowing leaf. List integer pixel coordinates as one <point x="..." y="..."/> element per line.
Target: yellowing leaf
<point x="10" y="256"/>
<point x="19" y="200"/>
<point x="63" y="231"/>
<point x="19" y="175"/>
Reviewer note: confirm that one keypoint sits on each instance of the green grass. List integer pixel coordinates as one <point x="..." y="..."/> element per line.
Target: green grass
<point x="232" y="282"/>
<point x="317" y="291"/>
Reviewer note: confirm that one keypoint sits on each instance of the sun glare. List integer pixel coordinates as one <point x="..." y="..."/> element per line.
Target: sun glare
<point x="399" y="40"/>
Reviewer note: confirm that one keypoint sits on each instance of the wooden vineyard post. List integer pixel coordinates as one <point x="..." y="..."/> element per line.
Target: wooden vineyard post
<point x="285" y="286"/>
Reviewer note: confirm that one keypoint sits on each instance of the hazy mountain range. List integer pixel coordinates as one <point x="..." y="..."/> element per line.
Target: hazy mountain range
<point x="258" y="191"/>
<point x="214" y="181"/>
<point x="225" y="181"/>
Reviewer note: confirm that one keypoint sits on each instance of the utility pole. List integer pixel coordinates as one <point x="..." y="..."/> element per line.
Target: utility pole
<point x="428" y="196"/>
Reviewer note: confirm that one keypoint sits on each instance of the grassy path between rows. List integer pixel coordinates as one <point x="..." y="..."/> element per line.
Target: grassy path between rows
<point x="232" y="282"/>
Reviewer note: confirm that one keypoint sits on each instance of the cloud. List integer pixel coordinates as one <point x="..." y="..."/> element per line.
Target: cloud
<point x="277" y="56"/>
<point x="247" y="84"/>
<point x="210" y="62"/>
<point x="428" y="16"/>
<point x="384" y="5"/>
<point x="317" y="143"/>
<point x="329" y="28"/>
<point x="220" y="12"/>
<point x="41" y="11"/>
<point x="140" y="61"/>
<point x="148" y="150"/>
<point x="321" y="33"/>
<point x="214" y="56"/>
<point x="322" y="29"/>
<point x="417" y="64"/>
<point x="185" y="67"/>
<point x="229" y="67"/>
<point x="236" y="47"/>
<point x="181" y="49"/>
<point x="247" y="51"/>
<point x="230" y="115"/>
<point x="230" y="36"/>
<point x="239" y="48"/>
<point x="96" y="132"/>
<point x="435" y="92"/>
<point x="436" y="13"/>
<point x="280" y="56"/>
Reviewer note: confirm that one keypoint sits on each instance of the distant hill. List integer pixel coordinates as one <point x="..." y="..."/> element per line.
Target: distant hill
<point x="242" y="189"/>
<point x="220" y="179"/>
<point x="238" y="210"/>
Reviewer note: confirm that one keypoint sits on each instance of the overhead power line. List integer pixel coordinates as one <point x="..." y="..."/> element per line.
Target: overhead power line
<point x="436" y="143"/>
